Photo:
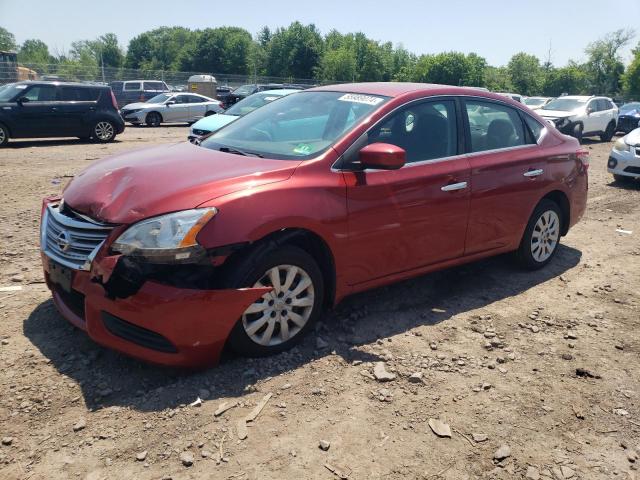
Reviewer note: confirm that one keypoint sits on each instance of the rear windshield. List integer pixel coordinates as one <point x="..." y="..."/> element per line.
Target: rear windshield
<point x="298" y="126"/>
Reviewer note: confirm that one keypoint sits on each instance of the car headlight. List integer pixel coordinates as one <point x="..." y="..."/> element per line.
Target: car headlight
<point x="167" y="238"/>
<point x="562" y="122"/>
<point x="621" y="146"/>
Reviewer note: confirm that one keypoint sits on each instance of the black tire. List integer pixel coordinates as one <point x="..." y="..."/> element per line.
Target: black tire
<point x="104" y="131"/>
<point x="524" y="254"/>
<point x="4" y="135"/>
<point x="153" y="119"/>
<point x="249" y="270"/>
<point x="622" y="178"/>
<point x="608" y="133"/>
<point x="577" y="132"/>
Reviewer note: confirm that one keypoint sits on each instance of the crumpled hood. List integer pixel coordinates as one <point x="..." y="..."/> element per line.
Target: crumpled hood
<point x="555" y="113"/>
<point x="633" y="138"/>
<point x="131" y="186"/>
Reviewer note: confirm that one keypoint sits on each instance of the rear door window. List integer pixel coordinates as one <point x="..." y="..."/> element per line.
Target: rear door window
<point x="182" y="98"/>
<point x="426" y="131"/>
<point x="493" y="126"/>
<point x="78" y="94"/>
<point x="196" y="99"/>
<point x="41" y="93"/>
<point x="132" y="86"/>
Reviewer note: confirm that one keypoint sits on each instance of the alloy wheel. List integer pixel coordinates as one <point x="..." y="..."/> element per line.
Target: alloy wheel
<point x="280" y="314"/>
<point x="3" y="135"/>
<point x="545" y="236"/>
<point x="104" y="131"/>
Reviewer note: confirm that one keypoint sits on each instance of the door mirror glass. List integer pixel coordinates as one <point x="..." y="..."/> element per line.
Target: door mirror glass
<point x="22" y="100"/>
<point x="382" y="156"/>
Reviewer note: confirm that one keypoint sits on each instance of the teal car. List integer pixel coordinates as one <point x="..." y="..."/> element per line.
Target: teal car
<point x="212" y="123"/>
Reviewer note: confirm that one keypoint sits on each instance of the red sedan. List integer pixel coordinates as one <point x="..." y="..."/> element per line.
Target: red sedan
<point x="172" y="253"/>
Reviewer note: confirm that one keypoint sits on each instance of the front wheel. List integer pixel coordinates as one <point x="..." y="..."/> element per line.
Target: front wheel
<point x="153" y="119"/>
<point x="608" y="133"/>
<point x="541" y="237"/>
<point x="577" y="132"/>
<point x="280" y="318"/>
<point x="104" y="131"/>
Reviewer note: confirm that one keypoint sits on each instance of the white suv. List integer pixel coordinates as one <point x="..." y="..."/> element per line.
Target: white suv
<point x="582" y="116"/>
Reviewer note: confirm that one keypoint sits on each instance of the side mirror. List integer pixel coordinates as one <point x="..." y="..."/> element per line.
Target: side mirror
<point x="589" y="110"/>
<point x="22" y="100"/>
<point x="382" y="156"/>
<point x="170" y="102"/>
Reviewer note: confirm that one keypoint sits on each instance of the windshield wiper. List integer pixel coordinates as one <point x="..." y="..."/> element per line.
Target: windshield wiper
<point x="235" y="151"/>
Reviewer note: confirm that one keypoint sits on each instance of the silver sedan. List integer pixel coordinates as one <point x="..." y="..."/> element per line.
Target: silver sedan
<point x="170" y="108"/>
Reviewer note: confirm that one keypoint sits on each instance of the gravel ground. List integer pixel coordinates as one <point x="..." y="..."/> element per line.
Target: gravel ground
<point x="527" y="375"/>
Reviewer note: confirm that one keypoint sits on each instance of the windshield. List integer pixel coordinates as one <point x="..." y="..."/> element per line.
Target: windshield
<point x="534" y="101"/>
<point x="245" y="90"/>
<point x="565" y="104"/>
<point x="250" y="103"/>
<point x="298" y="126"/>
<point x="628" y="107"/>
<point x="163" y="97"/>
<point x="7" y="92"/>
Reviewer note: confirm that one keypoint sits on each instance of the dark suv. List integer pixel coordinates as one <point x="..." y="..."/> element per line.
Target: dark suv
<point x="58" y="109"/>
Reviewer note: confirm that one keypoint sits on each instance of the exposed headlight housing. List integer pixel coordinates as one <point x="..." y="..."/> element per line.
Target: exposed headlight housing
<point x="562" y="122"/>
<point x="621" y="146"/>
<point x="169" y="238"/>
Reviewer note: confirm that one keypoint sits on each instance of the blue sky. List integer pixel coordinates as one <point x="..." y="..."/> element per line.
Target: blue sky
<point x="495" y="29"/>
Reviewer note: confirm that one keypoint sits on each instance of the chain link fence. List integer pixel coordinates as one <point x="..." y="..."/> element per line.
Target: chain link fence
<point x="70" y="72"/>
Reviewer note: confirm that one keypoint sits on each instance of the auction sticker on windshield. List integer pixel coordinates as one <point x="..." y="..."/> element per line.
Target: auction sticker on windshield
<point x="356" y="98"/>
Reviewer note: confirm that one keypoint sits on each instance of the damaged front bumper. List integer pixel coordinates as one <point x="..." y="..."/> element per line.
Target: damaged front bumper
<point x="178" y="314"/>
<point x="158" y="323"/>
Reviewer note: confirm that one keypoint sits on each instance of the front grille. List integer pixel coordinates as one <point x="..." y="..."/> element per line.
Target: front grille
<point x="138" y="335"/>
<point x="197" y="131"/>
<point x="628" y="123"/>
<point x="71" y="239"/>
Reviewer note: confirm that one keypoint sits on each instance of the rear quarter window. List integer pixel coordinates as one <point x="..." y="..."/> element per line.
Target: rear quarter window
<point x="535" y="127"/>
<point x="78" y="94"/>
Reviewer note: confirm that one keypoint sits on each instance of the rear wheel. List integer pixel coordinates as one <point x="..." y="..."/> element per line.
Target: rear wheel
<point x="577" y="132"/>
<point x="104" y="131"/>
<point x="541" y="237"/>
<point x="153" y="119"/>
<point x="280" y="318"/>
<point x="4" y="135"/>
<point x="608" y="133"/>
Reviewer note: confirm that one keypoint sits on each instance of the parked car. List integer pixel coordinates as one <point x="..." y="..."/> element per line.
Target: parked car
<point x="131" y="91"/>
<point x="223" y="93"/>
<point x="513" y="96"/>
<point x="582" y="116"/>
<point x="535" y="103"/>
<point x="207" y="125"/>
<point x="246" y="90"/>
<point x="244" y="240"/>
<point x="628" y="117"/>
<point x="624" y="159"/>
<point x="171" y="107"/>
<point x="35" y="109"/>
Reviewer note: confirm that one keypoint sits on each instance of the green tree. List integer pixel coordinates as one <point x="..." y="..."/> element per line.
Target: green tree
<point x="571" y="79"/>
<point x="34" y="51"/>
<point x="525" y="73"/>
<point x="497" y="79"/>
<point x="108" y="50"/>
<point x="295" y="51"/>
<point x="338" y="65"/>
<point x="451" y="68"/>
<point x="220" y="50"/>
<point x="7" y="40"/>
<point x="631" y="79"/>
<point x="164" y="48"/>
<point x="604" y="65"/>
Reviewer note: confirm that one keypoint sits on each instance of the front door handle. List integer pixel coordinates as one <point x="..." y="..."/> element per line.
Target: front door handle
<point x="454" y="186"/>
<point x="534" y="173"/>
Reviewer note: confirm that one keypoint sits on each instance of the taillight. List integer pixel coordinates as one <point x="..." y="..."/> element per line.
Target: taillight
<point x="114" y="102"/>
<point x="583" y="156"/>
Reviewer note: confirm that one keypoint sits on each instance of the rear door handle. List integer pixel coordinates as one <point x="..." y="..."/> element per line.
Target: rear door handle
<point x="534" y="173"/>
<point x="454" y="186"/>
<point x="54" y="109"/>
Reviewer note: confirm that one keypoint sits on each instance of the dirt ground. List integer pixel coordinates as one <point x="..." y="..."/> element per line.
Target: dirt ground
<point x="545" y="363"/>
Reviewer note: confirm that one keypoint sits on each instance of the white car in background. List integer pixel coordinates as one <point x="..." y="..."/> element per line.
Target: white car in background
<point x="171" y="108"/>
<point x="582" y="116"/>
<point x="535" y="103"/>
<point x="624" y="159"/>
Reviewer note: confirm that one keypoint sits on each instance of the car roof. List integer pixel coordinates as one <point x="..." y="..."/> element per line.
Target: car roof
<point x="63" y="84"/>
<point x="398" y="89"/>
<point x="578" y="97"/>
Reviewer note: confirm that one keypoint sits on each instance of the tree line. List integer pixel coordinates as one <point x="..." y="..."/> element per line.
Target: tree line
<point x="301" y="51"/>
